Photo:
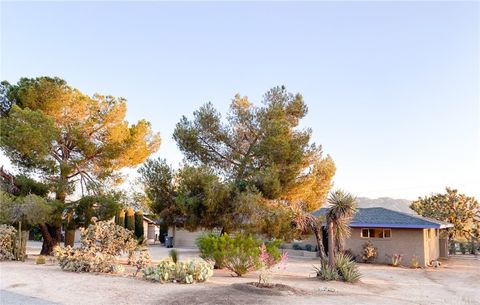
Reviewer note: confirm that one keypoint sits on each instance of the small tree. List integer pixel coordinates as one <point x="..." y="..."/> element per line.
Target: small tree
<point x="458" y="209"/>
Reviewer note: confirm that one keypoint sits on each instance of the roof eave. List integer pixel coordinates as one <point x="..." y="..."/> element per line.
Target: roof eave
<point x="396" y="226"/>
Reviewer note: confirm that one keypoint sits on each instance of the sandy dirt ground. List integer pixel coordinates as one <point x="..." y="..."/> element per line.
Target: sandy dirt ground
<point x="456" y="282"/>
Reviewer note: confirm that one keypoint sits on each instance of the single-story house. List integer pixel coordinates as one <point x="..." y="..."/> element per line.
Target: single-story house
<point x="183" y="238"/>
<point x="393" y="232"/>
<point x="151" y="230"/>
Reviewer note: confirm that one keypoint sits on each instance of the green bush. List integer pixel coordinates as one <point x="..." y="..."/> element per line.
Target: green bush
<point x="212" y="248"/>
<point x="309" y="247"/>
<point x="296" y="247"/>
<point x="463" y="249"/>
<point x="452" y="248"/>
<point x="130" y="220"/>
<point x="273" y="249"/>
<point x="139" y="224"/>
<point x="239" y="254"/>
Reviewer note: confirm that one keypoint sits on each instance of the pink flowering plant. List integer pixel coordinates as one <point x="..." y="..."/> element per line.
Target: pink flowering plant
<point x="269" y="264"/>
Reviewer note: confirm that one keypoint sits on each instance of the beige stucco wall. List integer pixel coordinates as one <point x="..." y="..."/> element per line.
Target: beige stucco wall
<point x="432" y="246"/>
<point x="408" y="242"/>
<point x="184" y="238"/>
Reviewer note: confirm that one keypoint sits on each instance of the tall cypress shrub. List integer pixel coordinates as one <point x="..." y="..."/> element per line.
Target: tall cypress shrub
<point x="130" y="219"/>
<point x="120" y="218"/>
<point x="139" y="224"/>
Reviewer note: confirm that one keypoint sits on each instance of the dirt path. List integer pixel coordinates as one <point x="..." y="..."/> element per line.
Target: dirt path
<point x="457" y="282"/>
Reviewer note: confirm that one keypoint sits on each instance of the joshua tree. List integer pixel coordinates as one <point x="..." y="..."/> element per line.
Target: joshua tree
<point x="342" y="208"/>
<point x="305" y="222"/>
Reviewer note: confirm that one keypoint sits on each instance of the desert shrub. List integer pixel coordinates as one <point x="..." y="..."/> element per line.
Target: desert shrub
<point x="40" y="260"/>
<point x="118" y="269"/>
<point x="308" y="247"/>
<point x="273" y="248"/>
<point x="471" y="248"/>
<point x="296" y="247"/>
<point x="143" y="261"/>
<point x="212" y="247"/>
<point x="239" y="254"/>
<point x="369" y="252"/>
<point x="452" y="248"/>
<point x="350" y="254"/>
<point x="395" y="259"/>
<point x="130" y="219"/>
<point x="269" y="263"/>
<point x="347" y="268"/>
<point x="181" y="272"/>
<point x="463" y="249"/>
<point x="325" y="272"/>
<point x="7" y="242"/>
<point x="414" y="262"/>
<point x="101" y="242"/>
<point x="139" y="225"/>
<point x="173" y="255"/>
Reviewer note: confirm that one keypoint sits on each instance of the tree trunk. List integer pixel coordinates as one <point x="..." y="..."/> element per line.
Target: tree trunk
<point x="69" y="228"/>
<point x="474" y="249"/>
<point x="51" y="237"/>
<point x="319" y="237"/>
<point x="331" y="244"/>
<point x="69" y="237"/>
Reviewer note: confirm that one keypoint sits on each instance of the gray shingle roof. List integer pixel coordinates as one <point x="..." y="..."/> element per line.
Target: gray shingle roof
<point x="384" y="218"/>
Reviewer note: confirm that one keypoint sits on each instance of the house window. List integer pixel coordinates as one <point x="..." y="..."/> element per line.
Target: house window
<point x="376" y="233"/>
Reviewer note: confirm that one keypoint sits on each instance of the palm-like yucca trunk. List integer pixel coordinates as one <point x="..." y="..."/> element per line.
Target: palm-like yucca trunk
<point x="342" y="208"/>
<point x="331" y="243"/>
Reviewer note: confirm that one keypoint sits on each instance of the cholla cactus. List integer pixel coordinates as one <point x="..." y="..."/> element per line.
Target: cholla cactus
<point x="181" y="272"/>
<point x="101" y="243"/>
<point x="144" y="260"/>
<point x="118" y="269"/>
<point x="269" y="263"/>
<point x="7" y="242"/>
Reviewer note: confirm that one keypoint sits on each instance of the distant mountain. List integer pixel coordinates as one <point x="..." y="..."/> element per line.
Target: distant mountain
<point x="400" y="205"/>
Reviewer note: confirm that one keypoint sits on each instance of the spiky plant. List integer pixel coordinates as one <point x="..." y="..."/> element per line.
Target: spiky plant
<point x="342" y="208"/>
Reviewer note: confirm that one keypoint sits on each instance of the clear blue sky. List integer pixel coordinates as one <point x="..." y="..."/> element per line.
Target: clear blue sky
<point x="392" y="87"/>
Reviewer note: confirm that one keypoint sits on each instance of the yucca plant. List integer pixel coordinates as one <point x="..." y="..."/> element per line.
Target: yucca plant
<point x="342" y="208"/>
<point x="347" y="268"/>
<point x="326" y="272"/>
<point x="174" y="255"/>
